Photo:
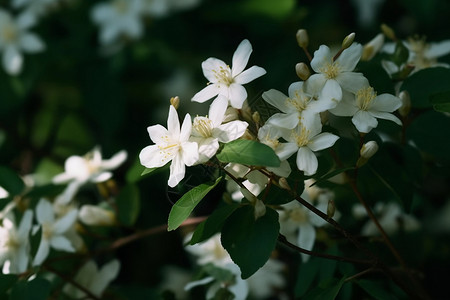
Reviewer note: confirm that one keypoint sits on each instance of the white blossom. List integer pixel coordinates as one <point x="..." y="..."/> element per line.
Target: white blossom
<point x="227" y="81"/>
<point x="366" y="106"/>
<point x="90" y="168"/>
<point x="208" y="131"/>
<point x="52" y="230"/>
<point x="94" y="215"/>
<point x="94" y="279"/>
<point x="171" y="144"/>
<point x="304" y="103"/>
<point x="15" y="39"/>
<point x="117" y="18"/>
<point x="14" y="243"/>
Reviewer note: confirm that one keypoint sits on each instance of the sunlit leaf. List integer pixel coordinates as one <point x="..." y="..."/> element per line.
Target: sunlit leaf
<point x="185" y="205"/>
<point x="248" y="152"/>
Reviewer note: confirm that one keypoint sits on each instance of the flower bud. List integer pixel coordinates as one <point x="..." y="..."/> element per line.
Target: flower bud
<point x="96" y="216"/>
<point x="366" y="152"/>
<point x="348" y="40"/>
<point x="284" y="183"/>
<point x="175" y="102"/>
<point x="256" y="117"/>
<point x="260" y="209"/>
<point x="369" y="149"/>
<point x="388" y="32"/>
<point x="372" y="47"/>
<point x="406" y="103"/>
<point x="331" y="208"/>
<point x="302" y="71"/>
<point x="302" y="38"/>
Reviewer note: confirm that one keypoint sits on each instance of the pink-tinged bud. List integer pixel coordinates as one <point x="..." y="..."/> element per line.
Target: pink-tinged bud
<point x="302" y="38"/>
<point x="284" y="183"/>
<point x="256" y="117"/>
<point x="302" y="71"/>
<point x="175" y="102"/>
<point x="406" y="103"/>
<point x="372" y="47"/>
<point x="348" y="40"/>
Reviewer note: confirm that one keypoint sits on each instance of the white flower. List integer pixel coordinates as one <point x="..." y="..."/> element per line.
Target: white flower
<point x="3" y="193"/>
<point x="208" y="131"/>
<point x="171" y="144"/>
<point x="338" y="75"/>
<point x="14" y="243"/>
<point x="365" y="106"/>
<point x="297" y="223"/>
<point x="308" y="139"/>
<point x="255" y="181"/>
<point x="209" y="251"/>
<point x="96" y="216"/>
<point x="227" y="81"/>
<point x="90" y="168"/>
<point x="93" y="279"/>
<point x="304" y="103"/>
<point x="52" y="230"/>
<point x="15" y="38"/>
<point x="118" y="17"/>
<point x="421" y="54"/>
<point x="268" y="278"/>
<point x="390" y="216"/>
<point x="175" y="279"/>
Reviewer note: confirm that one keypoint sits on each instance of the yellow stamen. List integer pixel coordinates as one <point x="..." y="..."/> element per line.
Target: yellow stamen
<point x="364" y="97"/>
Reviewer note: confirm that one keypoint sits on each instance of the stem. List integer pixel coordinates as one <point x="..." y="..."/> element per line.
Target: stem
<point x="308" y="55"/>
<point x="378" y="225"/>
<point x="282" y="239"/>
<point x="362" y="273"/>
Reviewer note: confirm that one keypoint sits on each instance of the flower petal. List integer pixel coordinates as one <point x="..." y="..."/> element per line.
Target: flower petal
<point x="212" y="67"/>
<point x="206" y="93"/>
<point x="364" y="121"/>
<point x="217" y="110"/>
<point x="42" y="252"/>
<point x="285" y="150"/>
<point x="63" y="224"/>
<point x="154" y="157"/>
<point x="12" y="60"/>
<point x="351" y="81"/>
<point x="240" y="57"/>
<point x="158" y="134"/>
<point x="307" y="161"/>
<point x="288" y="121"/>
<point x="207" y="148"/>
<point x="173" y="124"/>
<point x="295" y="88"/>
<point x="106" y="274"/>
<point x="306" y="238"/>
<point x="237" y="95"/>
<point x="386" y="116"/>
<point x="349" y="58"/>
<point x="177" y="171"/>
<point x="189" y="153"/>
<point x="322" y="141"/>
<point x="438" y="49"/>
<point x="385" y="103"/>
<point x="44" y="212"/>
<point x="331" y="91"/>
<point x="25" y="225"/>
<point x="249" y="75"/>
<point x="321" y="58"/>
<point x="276" y="99"/>
<point x="230" y="131"/>
<point x="30" y="43"/>
<point x="61" y="243"/>
<point x="115" y="161"/>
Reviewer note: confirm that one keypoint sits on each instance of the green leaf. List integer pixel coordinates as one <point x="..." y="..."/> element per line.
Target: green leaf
<point x="248" y="152"/>
<point x="269" y="8"/>
<point x="441" y="101"/>
<point x="326" y="290"/>
<point x="401" y="54"/>
<point x="10" y="181"/>
<point x="36" y="289"/>
<point x="183" y="208"/>
<point x="128" y="205"/>
<point x="423" y="84"/>
<point x="213" y="224"/>
<point x="6" y="282"/>
<point x="307" y="272"/>
<point x="428" y="132"/>
<point x="218" y="273"/>
<point x="250" y="242"/>
<point x="148" y="171"/>
<point x="376" y="289"/>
